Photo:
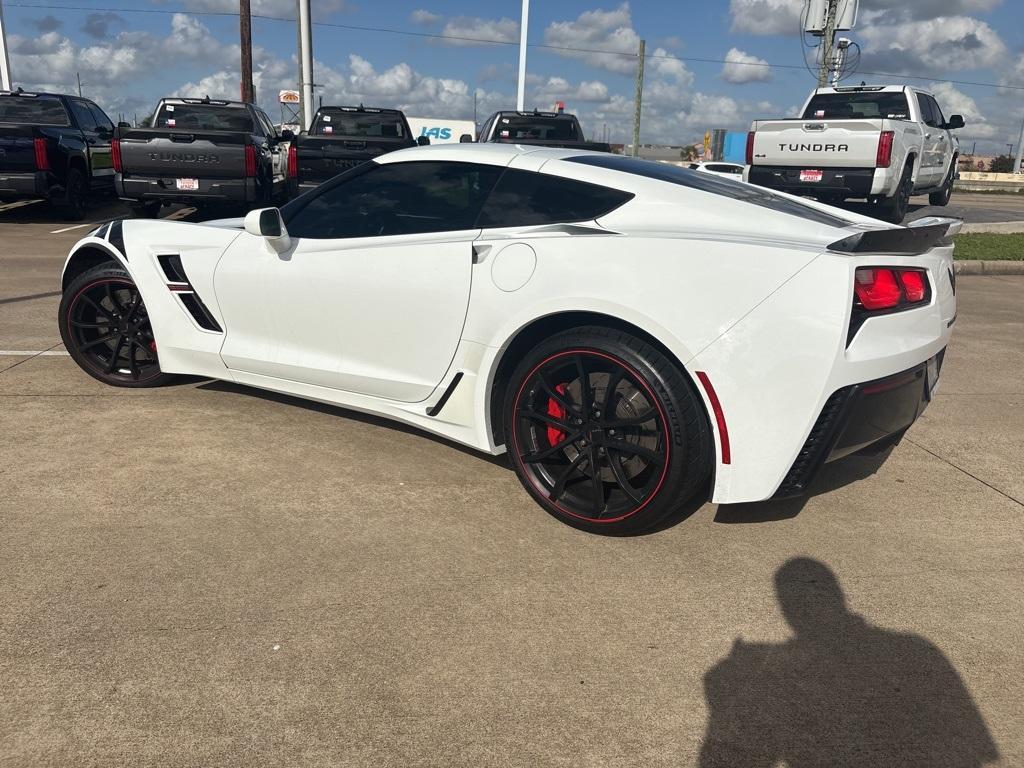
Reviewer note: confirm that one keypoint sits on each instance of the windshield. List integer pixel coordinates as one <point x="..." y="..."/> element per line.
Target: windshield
<point x="203" y="117"/>
<point x="858" y="104"/>
<point x="707" y="182"/>
<point x="372" y="125"/>
<point x="536" y="127"/>
<point x="36" y="111"/>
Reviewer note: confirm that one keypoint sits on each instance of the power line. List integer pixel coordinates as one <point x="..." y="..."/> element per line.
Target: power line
<point x="490" y="41"/>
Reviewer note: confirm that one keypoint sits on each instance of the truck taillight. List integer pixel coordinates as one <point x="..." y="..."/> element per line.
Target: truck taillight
<point x="878" y="288"/>
<point x="293" y="162"/>
<point x="115" y="155"/>
<point x="42" y="160"/>
<point x="250" y="161"/>
<point x="750" y="148"/>
<point x="883" y="158"/>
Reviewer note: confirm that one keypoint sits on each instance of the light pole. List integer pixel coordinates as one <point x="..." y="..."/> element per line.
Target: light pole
<point x="306" y="62"/>
<point x="1020" y="149"/>
<point x="5" y="62"/>
<point x="524" y="22"/>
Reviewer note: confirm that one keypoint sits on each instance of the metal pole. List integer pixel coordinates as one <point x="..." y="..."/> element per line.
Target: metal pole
<point x="78" y="77"/>
<point x="298" y="65"/>
<point x="1020" y="149"/>
<point x="5" y="62"/>
<point x="639" y="97"/>
<point x="245" y="30"/>
<point x="306" y="59"/>
<point x="827" y="41"/>
<point x="523" y="24"/>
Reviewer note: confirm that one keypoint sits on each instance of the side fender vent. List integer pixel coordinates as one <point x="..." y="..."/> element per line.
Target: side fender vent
<point x="171" y="265"/>
<point x="199" y="312"/>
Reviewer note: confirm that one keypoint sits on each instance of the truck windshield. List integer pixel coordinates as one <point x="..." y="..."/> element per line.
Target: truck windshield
<point x="858" y="104"/>
<point x="35" y="111"/>
<point x="203" y="117"/>
<point x="536" y="127"/>
<point x="367" y="125"/>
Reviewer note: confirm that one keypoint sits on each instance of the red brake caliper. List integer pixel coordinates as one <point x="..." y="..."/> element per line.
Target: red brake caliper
<point x="556" y="435"/>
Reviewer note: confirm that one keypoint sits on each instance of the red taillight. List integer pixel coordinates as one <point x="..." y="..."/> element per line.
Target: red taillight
<point x="293" y="162"/>
<point x="880" y="288"/>
<point x="914" y="285"/>
<point x="250" y="161"/>
<point x="42" y="161"/>
<point x="884" y="155"/>
<point x="115" y="155"/>
<point x="750" y="148"/>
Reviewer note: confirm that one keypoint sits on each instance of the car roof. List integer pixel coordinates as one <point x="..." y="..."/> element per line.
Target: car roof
<point x="487" y="153"/>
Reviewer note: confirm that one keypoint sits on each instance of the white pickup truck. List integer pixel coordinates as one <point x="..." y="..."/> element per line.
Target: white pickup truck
<point x="879" y="142"/>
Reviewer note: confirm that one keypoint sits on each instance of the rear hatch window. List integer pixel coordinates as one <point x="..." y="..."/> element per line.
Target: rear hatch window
<point x="32" y="110"/>
<point x="536" y="128"/>
<point x="203" y="117"/>
<point x="858" y="105"/>
<point x="363" y="125"/>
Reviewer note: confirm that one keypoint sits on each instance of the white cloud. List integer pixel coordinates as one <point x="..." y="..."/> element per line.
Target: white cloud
<point x="741" y="67"/>
<point x="953" y="101"/>
<point x="782" y="17"/>
<point x="941" y="44"/>
<point x="280" y="8"/>
<point x="426" y="18"/>
<point x="765" y="17"/>
<point x="473" y="29"/>
<point x="598" y="31"/>
<point x="559" y="89"/>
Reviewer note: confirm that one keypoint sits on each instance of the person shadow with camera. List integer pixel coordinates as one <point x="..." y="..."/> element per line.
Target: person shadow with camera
<point x="840" y="693"/>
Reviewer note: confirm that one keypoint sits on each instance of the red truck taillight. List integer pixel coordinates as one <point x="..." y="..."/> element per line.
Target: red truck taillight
<point x="42" y="160"/>
<point x="115" y="155"/>
<point x="750" y="148"/>
<point x="883" y="158"/>
<point x="293" y="162"/>
<point x="250" y="161"/>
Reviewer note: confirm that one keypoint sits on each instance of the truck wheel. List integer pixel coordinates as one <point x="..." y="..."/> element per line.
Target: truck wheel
<point x="941" y="197"/>
<point x="147" y="210"/>
<point x="76" y="190"/>
<point x="894" y="209"/>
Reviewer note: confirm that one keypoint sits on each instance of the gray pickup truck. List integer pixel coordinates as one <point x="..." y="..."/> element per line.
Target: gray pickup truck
<point x="201" y="152"/>
<point x="544" y="129"/>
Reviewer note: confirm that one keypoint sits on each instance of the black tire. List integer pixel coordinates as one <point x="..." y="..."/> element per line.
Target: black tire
<point x="652" y="445"/>
<point x="76" y="193"/>
<point x="149" y="209"/>
<point x="941" y="198"/>
<point x="894" y="209"/>
<point x="100" y="313"/>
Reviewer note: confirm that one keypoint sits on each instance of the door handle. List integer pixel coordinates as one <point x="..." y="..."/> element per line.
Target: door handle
<point x="927" y="135"/>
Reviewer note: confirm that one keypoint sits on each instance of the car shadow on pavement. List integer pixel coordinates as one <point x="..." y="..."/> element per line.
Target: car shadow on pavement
<point x="362" y="418"/>
<point x="850" y="469"/>
<point x="841" y="692"/>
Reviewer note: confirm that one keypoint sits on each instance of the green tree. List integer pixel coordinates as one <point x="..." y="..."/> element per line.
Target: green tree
<point x="1001" y="164"/>
<point x="688" y="154"/>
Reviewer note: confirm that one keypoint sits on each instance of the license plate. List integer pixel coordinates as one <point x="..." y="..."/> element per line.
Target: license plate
<point x="932" y="376"/>
<point x="810" y="175"/>
<point x="188" y="184"/>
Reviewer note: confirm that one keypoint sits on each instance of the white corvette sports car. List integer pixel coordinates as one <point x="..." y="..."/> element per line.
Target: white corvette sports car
<point x="633" y="334"/>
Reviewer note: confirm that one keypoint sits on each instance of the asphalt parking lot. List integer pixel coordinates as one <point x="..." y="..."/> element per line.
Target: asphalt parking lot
<point x="205" y="575"/>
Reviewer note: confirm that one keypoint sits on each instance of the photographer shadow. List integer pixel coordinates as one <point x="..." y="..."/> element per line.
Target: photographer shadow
<point x="841" y="692"/>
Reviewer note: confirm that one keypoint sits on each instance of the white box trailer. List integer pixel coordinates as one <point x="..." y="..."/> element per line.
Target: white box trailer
<point x="440" y="130"/>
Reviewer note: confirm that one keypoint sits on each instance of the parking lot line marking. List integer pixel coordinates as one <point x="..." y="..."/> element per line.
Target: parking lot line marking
<point x="31" y="296"/>
<point x="17" y="204"/>
<point x="68" y="229"/>
<point x="32" y="353"/>
<point x="180" y="214"/>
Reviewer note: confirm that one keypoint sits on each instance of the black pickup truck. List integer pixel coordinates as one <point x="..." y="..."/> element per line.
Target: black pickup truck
<point x="340" y="138"/>
<point x="201" y="152"/>
<point x="54" y="147"/>
<point x="544" y="129"/>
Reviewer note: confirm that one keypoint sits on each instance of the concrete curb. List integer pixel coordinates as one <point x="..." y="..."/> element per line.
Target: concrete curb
<point x="1002" y="227"/>
<point x="989" y="267"/>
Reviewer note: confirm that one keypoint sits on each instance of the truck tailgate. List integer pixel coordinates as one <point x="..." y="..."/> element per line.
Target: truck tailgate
<point x="817" y="143"/>
<point x="17" y="150"/>
<point x="199" y="154"/>
<point x="321" y="157"/>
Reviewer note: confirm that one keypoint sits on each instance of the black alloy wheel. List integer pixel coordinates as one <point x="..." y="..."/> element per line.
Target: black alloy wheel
<point x="941" y="198"/>
<point x="894" y="210"/>
<point x="76" y="192"/>
<point x="106" y="329"/>
<point x="595" y="433"/>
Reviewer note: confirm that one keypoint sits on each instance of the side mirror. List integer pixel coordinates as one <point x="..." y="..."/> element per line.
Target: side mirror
<point x="123" y="124"/>
<point x="954" y="122"/>
<point x="423" y="141"/>
<point x="268" y="224"/>
<point x="465" y="139"/>
<point x="287" y="135"/>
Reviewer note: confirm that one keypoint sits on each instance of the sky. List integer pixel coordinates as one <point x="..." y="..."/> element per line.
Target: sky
<point x="706" y="66"/>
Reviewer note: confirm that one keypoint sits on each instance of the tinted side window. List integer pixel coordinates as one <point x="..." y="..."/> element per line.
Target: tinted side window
<point x="924" y="104"/>
<point x="939" y="117"/>
<point x="83" y="116"/>
<point x="523" y="198"/>
<point x="396" y="199"/>
<point x="102" y="121"/>
<point x="264" y="121"/>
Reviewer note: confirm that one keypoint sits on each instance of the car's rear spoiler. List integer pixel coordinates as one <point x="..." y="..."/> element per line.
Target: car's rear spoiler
<point x="917" y="237"/>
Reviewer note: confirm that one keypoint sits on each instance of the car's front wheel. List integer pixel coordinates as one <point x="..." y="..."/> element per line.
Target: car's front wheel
<point x="605" y="432"/>
<point x="106" y="329"/>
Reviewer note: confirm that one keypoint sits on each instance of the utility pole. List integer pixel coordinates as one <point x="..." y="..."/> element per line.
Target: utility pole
<point x="78" y="77"/>
<point x="306" y="61"/>
<point x="5" y="61"/>
<point x="245" y="29"/>
<point x="639" y="97"/>
<point x="827" y="42"/>
<point x="1020" y="149"/>
<point x="523" y="24"/>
